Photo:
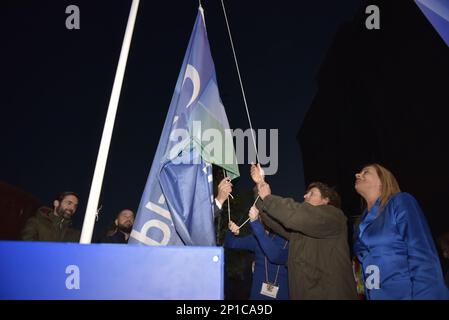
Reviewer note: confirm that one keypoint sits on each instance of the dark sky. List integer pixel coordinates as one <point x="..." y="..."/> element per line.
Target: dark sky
<point x="56" y="83"/>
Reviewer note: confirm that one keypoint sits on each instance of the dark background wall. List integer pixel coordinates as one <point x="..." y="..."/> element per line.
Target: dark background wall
<point x="383" y="97"/>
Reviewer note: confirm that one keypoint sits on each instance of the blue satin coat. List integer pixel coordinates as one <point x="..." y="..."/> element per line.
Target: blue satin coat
<point x="397" y="252"/>
<point x="272" y="246"/>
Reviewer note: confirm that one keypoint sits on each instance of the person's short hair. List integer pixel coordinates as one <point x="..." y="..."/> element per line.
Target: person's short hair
<point x="390" y="185"/>
<point x="60" y="197"/>
<point x="127" y="209"/>
<point x="327" y="192"/>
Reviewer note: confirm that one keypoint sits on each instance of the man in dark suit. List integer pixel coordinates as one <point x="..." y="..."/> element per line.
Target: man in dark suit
<point x="224" y="189"/>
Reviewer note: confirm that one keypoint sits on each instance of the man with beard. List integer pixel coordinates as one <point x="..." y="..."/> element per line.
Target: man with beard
<point x="54" y="224"/>
<point x="120" y="230"/>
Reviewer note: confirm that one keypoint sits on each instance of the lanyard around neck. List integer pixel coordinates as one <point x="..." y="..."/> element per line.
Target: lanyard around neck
<point x="266" y="266"/>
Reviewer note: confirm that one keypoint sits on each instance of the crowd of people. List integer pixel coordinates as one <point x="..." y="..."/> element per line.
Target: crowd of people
<point x="301" y="249"/>
<point x="55" y="224"/>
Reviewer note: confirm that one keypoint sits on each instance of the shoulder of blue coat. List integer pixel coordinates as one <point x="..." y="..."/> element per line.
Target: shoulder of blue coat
<point x="257" y="225"/>
<point x="402" y="197"/>
<point x="403" y="206"/>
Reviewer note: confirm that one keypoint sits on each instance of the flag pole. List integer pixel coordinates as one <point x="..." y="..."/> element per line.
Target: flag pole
<point x="97" y="181"/>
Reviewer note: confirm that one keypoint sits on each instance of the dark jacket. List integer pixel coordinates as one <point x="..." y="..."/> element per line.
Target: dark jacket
<point x="46" y="226"/>
<point x="114" y="237"/>
<point x="319" y="264"/>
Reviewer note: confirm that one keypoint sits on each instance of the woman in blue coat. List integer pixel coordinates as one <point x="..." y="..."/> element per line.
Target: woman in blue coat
<point x="270" y="251"/>
<point x="393" y="241"/>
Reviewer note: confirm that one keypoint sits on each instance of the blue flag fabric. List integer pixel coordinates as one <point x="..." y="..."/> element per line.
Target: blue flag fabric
<point x="437" y="12"/>
<point x="177" y="204"/>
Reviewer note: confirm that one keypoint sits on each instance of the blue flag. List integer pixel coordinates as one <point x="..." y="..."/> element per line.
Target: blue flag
<point x="177" y="204"/>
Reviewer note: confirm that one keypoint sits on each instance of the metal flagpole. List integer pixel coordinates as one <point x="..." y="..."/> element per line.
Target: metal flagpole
<point x="97" y="181"/>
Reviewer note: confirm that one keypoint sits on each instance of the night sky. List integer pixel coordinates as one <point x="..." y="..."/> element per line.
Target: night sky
<point x="56" y="83"/>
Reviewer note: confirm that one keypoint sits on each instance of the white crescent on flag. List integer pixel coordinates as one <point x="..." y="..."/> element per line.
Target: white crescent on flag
<point x="194" y="76"/>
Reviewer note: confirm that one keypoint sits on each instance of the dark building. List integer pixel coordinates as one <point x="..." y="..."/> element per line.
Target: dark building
<point x="383" y="97"/>
<point x="16" y="206"/>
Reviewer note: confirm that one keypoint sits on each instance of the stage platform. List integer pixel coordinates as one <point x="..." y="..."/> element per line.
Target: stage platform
<point x="69" y="271"/>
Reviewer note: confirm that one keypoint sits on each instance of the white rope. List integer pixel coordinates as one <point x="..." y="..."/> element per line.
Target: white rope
<point x="243" y="223"/>
<point x="229" y="212"/>
<point x="249" y="218"/>
<point x="240" y="79"/>
<point x="229" y="206"/>
<point x="255" y="201"/>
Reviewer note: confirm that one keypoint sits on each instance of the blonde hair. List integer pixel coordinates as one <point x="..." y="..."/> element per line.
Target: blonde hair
<point x="388" y="182"/>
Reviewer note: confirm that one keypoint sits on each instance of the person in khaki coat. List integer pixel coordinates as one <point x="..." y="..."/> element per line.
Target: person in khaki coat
<point x="319" y="264"/>
<point x="54" y="224"/>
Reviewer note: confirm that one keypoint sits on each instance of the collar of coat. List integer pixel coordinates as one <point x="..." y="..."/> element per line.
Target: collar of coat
<point x="48" y="214"/>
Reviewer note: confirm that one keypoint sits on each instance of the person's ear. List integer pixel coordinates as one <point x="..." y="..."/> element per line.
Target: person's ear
<point x="56" y="203"/>
<point x="326" y="200"/>
<point x="116" y="222"/>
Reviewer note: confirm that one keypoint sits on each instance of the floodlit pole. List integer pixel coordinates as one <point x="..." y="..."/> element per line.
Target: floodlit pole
<point x="97" y="181"/>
